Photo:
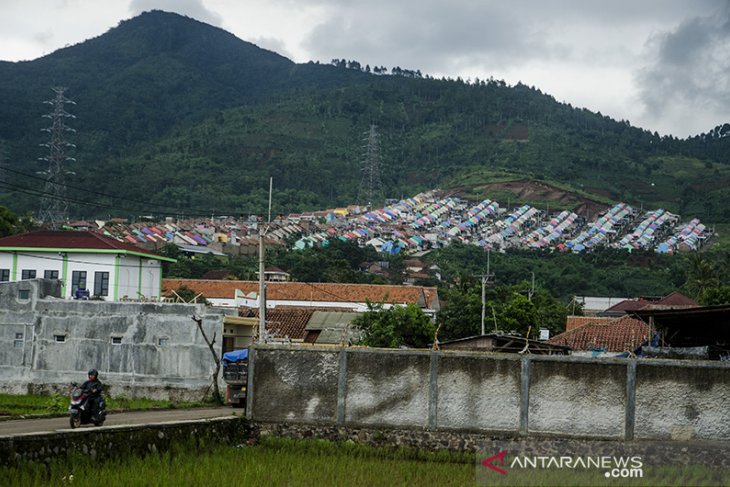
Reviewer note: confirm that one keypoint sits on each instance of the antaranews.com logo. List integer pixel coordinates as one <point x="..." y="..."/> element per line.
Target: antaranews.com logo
<point x="611" y="467"/>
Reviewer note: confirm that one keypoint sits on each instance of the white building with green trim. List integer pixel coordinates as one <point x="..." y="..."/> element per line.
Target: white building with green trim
<point x="107" y="268"/>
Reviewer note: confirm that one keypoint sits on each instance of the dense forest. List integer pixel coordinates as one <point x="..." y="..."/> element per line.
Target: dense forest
<point x="176" y="117"/>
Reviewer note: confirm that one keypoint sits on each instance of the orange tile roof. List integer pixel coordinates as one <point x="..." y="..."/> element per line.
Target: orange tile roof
<point x="573" y="322"/>
<point x="283" y="322"/>
<point x="311" y="292"/>
<point x="619" y="335"/>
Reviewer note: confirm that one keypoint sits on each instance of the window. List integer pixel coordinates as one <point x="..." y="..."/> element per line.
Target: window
<point x="163" y="341"/>
<point x="50" y="274"/>
<point x="24" y="294"/>
<point x="78" y="280"/>
<point x="101" y="284"/>
<point x="59" y="338"/>
<point x="116" y="340"/>
<point x="28" y="274"/>
<point x="18" y="342"/>
<point x="4" y="275"/>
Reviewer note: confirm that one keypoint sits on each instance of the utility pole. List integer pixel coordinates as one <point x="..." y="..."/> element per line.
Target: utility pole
<point x="485" y="278"/>
<point x="262" y="261"/>
<point x="54" y="206"/>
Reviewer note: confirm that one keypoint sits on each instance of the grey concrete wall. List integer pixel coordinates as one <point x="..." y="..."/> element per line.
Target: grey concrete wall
<point x="682" y="402"/>
<point x="474" y="393"/>
<point x="613" y="399"/>
<point x="115" y="442"/>
<point x="33" y="360"/>
<point x="387" y="388"/>
<point x="585" y="398"/>
<point x="291" y="386"/>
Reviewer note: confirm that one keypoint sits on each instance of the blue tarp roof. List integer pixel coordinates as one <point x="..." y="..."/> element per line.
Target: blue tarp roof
<point x="235" y="356"/>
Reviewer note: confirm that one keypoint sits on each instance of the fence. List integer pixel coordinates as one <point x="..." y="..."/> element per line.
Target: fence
<point x="521" y="395"/>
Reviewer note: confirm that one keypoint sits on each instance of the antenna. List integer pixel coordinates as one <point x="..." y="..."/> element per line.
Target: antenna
<point x="371" y="187"/>
<point x="54" y="206"/>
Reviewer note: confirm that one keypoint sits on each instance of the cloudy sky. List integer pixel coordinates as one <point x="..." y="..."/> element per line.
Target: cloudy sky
<point x="664" y="65"/>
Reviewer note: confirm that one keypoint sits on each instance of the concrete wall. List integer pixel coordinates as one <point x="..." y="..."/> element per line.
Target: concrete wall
<point x="613" y="399"/>
<point x="479" y="394"/>
<point x="393" y="393"/>
<point x="140" y="349"/>
<point x="587" y="398"/>
<point x="682" y="402"/>
<point x="115" y="442"/>
<point x="291" y="386"/>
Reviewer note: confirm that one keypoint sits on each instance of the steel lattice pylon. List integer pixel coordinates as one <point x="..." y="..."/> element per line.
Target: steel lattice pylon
<point x="54" y="205"/>
<point x="371" y="187"/>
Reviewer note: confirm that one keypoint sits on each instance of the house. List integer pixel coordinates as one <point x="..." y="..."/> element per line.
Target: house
<point x="674" y="300"/>
<point x="619" y="335"/>
<point x="109" y="269"/>
<point x="593" y="305"/>
<point x="350" y="297"/>
<point x="274" y="274"/>
<point x="690" y="333"/>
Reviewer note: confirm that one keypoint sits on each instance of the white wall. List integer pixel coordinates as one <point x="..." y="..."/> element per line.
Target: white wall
<point x="130" y="268"/>
<point x="90" y="263"/>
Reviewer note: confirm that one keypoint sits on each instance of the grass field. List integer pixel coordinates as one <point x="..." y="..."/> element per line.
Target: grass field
<point x="272" y="462"/>
<point x="279" y="461"/>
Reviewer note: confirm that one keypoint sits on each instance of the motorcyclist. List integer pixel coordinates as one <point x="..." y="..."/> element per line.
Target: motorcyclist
<point x="93" y="387"/>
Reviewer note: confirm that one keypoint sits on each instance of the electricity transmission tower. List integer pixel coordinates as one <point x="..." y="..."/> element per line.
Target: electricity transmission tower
<point x="54" y="205"/>
<point x="371" y="187"/>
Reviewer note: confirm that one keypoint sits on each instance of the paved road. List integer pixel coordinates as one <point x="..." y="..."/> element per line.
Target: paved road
<point x="24" y="426"/>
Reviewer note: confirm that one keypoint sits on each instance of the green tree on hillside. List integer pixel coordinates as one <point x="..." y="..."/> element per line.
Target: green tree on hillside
<point x="10" y="223"/>
<point x="701" y="275"/>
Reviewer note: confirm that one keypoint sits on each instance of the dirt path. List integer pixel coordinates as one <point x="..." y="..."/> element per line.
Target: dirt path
<point x="27" y="426"/>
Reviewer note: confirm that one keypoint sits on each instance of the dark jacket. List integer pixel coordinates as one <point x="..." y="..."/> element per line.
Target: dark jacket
<point x="93" y="386"/>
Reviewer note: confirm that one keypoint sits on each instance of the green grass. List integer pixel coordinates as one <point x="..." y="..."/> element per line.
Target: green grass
<point x="272" y="462"/>
<point x="15" y="407"/>
<point x="280" y="461"/>
<point x="11" y="405"/>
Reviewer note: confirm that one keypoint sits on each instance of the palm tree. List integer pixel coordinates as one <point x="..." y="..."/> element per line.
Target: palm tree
<point x="701" y="275"/>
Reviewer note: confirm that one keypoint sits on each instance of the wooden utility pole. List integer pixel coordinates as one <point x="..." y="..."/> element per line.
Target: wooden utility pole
<point x="485" y="278"/>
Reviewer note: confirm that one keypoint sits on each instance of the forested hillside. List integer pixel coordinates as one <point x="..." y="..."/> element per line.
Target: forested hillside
<point x="177" y="117"/>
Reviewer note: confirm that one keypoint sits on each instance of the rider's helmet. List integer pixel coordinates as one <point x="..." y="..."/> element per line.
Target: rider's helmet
<point x="94" y="372"/>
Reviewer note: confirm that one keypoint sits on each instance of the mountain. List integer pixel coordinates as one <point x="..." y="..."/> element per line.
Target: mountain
<point x="176" y="116"/>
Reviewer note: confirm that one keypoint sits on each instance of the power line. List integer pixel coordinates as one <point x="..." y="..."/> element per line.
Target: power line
<point x="91" y="191"/>
<point x="184" y="211"/>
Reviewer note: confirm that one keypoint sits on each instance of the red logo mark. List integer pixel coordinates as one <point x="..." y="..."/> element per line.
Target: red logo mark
<point x="499" y="456"/>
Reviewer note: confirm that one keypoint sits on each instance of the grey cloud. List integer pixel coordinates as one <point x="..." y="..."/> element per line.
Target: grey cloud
<point x="191" y="8"/>
<point x="441" y="36"/>
<point x="691" y="70"/>
<point x="430" y="35"/>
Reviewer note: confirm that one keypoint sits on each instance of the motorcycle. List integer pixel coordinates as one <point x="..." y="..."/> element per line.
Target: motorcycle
<point x="80" y="410"/>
